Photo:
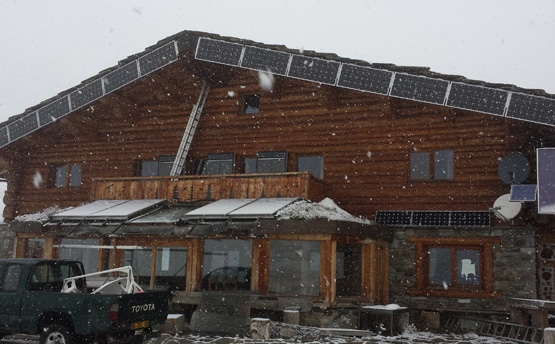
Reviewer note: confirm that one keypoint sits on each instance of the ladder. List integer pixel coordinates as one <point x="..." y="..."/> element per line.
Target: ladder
<point x="513" y="332"/>
<point x="189" y="133"/>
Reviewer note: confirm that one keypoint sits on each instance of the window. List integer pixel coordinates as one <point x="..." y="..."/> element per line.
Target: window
<point x="227" y="265"/>
<point x="252" y="104"/>
<point x="348" y="271"/>
<point x="222" y="163"/>
<point x="12" y="275"/>
<point x="83" y="250"/>
<point x="34" y="248"/>
<point x="160" y="167"/>
<point x="311" y="164"/>
<point x="66" y="175"/>
<point x="455" y="267"/>
<point x="267" y="162"/>
<point x="294" y="267"/>
<point x="443" y="165"/>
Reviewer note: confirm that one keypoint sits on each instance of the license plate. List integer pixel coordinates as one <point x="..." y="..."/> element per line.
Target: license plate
<point x="139" y="325"/>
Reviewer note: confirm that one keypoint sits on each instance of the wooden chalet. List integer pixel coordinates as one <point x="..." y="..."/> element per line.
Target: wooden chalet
<point x="183" y="159"/>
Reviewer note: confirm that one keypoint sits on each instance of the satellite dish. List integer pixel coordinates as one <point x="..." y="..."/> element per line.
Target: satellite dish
<point x="513" y="169"/>
<point x="504" y="209"/>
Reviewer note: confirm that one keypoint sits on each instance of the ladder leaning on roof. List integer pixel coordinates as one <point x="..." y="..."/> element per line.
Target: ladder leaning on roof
<point x="189" y="133"/>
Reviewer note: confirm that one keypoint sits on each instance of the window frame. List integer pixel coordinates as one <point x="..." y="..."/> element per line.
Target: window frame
<point x="483" y="289"/>
<point x="68" y="175"/>
<point x="435" y="165"/>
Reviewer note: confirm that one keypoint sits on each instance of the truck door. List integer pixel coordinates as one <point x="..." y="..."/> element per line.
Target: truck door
<point x="10" y="296"/>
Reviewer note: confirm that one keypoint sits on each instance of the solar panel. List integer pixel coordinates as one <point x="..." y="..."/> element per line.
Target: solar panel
<point x="394" y="218"/>
<point x="532" y="108"/>
<point x="120" y="77"/>
<point x="364" y="78"/>
<point x="107" y="210"/>
<point x="219" y="51"/>
<point x="4" y="139"/>
<point x="158" y="58"/>
<point x="477" y="98"/>
<point x="53" y="111"/>
<point x="218" y="209"/>
<point x="470" y="219"/>
<point x="419" y="88"/>
<point x="314" y="69"/>
<point x="430" y="218"/>
<point x="263" y="207"/>
<point x="265" y="59"/>
<point x="523" y="193"/>
<point x="434" y="218"/>
<point x="86" y="94"/>
<point x="23" y="126"/>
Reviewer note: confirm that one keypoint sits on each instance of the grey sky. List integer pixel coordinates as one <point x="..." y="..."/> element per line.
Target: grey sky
<point x="50" y="46"/>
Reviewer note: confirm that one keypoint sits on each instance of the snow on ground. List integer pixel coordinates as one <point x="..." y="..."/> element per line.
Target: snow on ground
<point x="325" y="209"/>
<point x="409" y="336"/>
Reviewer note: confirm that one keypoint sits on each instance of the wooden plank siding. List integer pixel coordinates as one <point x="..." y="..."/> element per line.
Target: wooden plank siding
<point x="365" y="140"/>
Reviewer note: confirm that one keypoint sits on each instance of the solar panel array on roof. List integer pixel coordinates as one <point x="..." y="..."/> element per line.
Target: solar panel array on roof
<point x="243" y="208"/>
<point x="90" y="92"/>
<point x="439" y="91"/>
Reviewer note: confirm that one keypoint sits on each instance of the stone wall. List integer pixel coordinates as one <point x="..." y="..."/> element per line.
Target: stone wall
<point x="514" y="269"/>
<point x="7" y="239"/>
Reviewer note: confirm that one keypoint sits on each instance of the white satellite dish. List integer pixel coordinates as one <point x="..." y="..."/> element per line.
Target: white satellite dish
<point x="504" y="209"/>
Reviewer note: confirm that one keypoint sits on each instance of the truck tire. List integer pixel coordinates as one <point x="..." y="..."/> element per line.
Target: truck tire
<point x="56" y="334"/>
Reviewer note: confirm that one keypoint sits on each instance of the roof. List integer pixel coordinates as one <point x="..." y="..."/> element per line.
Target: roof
<point x="413" y="83"/>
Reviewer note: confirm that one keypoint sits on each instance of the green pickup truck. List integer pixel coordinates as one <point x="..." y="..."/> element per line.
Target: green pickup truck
<point x="31" y="302"/>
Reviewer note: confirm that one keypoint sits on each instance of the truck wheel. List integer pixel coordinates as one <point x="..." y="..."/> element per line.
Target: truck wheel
<point x="56" y="334"/>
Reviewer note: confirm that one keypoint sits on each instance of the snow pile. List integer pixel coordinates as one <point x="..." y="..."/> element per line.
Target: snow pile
<point x="40" y="216"/>
<point x="325" y="209"/>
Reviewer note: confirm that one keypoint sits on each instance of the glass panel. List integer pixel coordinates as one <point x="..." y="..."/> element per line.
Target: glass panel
<point x="11" y="278"/>
<point x="149" y="168"/>
<point x="444" y="165"/>
<point x="165" y="164"/>
<point x="440" y="266"/>
<point x="271" y="162"/>
<point x="140" y="261"/>
<point x="219" y="164"/>
<point x="312" y="164"/>
<point x="348" y="269"/>
<point x="35" y="248"/>
<point x="60" y="176"/>
<point x="227" y="265"/>
<point x="252" y="104"/>
<point x="250" y="165"/>
<point x="420" y="166"/>
<point x="294" y="267"/>
<point x="75" y="175"/>
<point x="468" y="267"/>
<point x="171" y="267"/>
<point x="88" y="256"/>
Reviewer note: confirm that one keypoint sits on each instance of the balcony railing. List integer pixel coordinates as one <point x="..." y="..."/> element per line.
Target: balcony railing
<point x="210" y="187"/>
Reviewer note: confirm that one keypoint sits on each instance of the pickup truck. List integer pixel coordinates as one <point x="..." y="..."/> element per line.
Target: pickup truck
<point x="32" y="302"/>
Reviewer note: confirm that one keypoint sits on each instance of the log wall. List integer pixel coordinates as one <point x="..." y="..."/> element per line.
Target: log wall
<point x="365" y="140"/>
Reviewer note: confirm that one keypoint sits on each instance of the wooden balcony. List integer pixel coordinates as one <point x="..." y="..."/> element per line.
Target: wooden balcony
<point x="210" y="187"/>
